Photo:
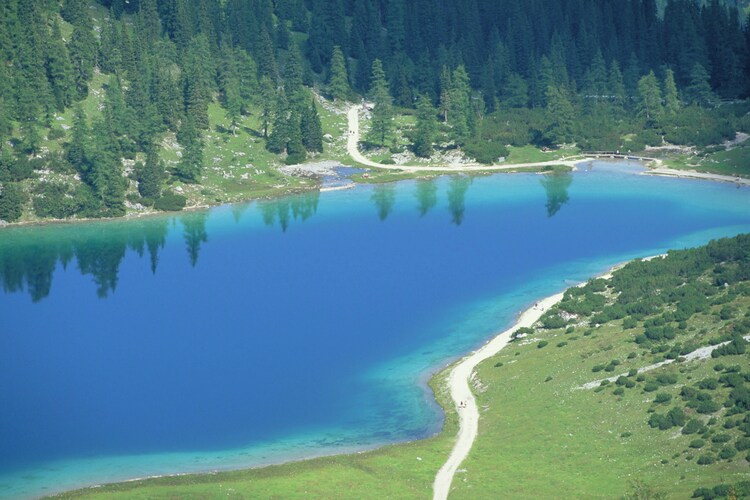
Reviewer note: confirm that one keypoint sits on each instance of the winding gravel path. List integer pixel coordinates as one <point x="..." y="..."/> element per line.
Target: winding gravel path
<point x="459" y="382"/>
<point x="352" y="146"/>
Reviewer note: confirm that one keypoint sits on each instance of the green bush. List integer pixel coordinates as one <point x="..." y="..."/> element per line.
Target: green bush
<point x="727" y="452"/>
<point x="170" y="202"/>
<point x="697" y="443"/>
<point x="706" y="460"/>
<point x="619" y="391"/>
<point x="663" y="397"/>
<point x="742" y="444"/>
<point x="721" y="438"/>
<point x="597" y="368"/>
<point x="542" y="343"/>
<point x="693" y="426"/>
<point x="485" y="151"/>
<point x="650" y="386"/>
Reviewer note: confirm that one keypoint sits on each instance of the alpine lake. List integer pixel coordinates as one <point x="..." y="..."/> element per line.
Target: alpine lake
<point x="276" y="330"/>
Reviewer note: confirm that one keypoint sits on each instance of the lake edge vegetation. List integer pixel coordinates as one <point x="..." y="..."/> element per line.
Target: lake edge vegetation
<point x="110" y="108"/>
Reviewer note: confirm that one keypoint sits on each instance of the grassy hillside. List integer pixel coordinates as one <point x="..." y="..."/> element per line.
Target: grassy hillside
<point x="668" y="430"/>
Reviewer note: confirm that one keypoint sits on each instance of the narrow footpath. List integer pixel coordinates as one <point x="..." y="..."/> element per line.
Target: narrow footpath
<point x="352" y="146"/>
<point x="459" y="382"/>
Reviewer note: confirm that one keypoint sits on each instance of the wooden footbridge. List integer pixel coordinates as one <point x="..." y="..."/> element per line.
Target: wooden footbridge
<point x="617" y="155"/>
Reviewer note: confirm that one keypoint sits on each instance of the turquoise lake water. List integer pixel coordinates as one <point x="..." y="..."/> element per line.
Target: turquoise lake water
<point x="258" y="333"/>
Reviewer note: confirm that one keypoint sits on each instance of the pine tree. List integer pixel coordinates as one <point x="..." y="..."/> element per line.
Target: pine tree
<point x="516" y="92"/>
<point x="190" y="167"/>
<point x="281" y="129"/>
<point x="338" y="82"/>
<point x="78" y="150"/>
<point x="382" y="113"/>
<point x="671" y="97"/>
<point x="699" y="89"/>
<point x="151" y="175"/>
<point x="294" y="147"/>
<point x="445" y="93"/>
<point x="82" y="48"/>
<point x="312" y="131"/>
<point x="267" y="99"/>
<point x="650" y="98"/>
<point x="616" y="84"/>
<point x="425" y="129"/>
<point x="560" y="115"/>
<point x="460" y="109"/>
<point x="59" y="70"/>
<point x="105" y="172"/>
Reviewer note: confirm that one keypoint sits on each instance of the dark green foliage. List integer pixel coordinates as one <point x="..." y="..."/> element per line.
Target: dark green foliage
<point x="697" y="443"/>
<point x="191" y="165"/>
<point x="694" y="426"/>
<point x="170" y="202"/>
<point x="663" y="397"/>
<point x="721" y="438"/>
<point x="151" y="176"/>
<point x="542" y="343"/>
<point x="425" y="131"/>
<point x="12" y="200"/>
<point x="497" y="74"/>
<point x="311" y="129"/>
<point x="673" y="418"/>
<point x="738" y="345"/>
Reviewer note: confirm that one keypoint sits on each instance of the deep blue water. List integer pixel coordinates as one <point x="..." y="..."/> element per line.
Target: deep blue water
<point x="251" y="334"/>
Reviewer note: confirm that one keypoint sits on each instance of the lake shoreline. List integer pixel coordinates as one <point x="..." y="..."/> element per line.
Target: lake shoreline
<point x="440" y="376"/>
<point x="657" y="171"/>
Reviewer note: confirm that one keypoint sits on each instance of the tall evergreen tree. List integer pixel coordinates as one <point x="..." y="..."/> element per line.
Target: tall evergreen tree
<point x="699" y="89"/>
<point x="382" y="112"/>
<point x="59" y="70"/>
<point x="561" y="115"/>
<point x="338" y="82"/>
<point x="650" y="98"/>
<point x="425" y="129"/>
<point x="460" y="108"/>
<point x="82" y="48"/>
<point x="312" y="131"/>
<point x="190" y="167"/>
<point x="151" y="175"/>
<point x="671" y="96"/>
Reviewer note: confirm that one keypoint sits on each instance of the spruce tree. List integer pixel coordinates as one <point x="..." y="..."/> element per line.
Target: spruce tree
<point x="78" y="150"/>
<point x="650" y="98"/>
<point x="190" y="167"/>
<point x="560" y="115"/>
<point x="425" y="129"/>
<point x="338" y="82"/>
<point x="460" y="108"/>
<point x="151" y="175"/>
<point x="382" y="113"/>
<point x="59" y="70"/>
<point x="82" y="49"/>
<point x="281" y="129"/>
<point x="699" y="90"/>
<point x="671" y="97"/>
<point x="312" y="131"/>
<point x="267" y="99"/>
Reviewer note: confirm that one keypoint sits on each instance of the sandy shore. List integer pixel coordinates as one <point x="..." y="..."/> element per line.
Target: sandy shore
<point x="459" y="382"/>
<point x="691" y="174"/>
